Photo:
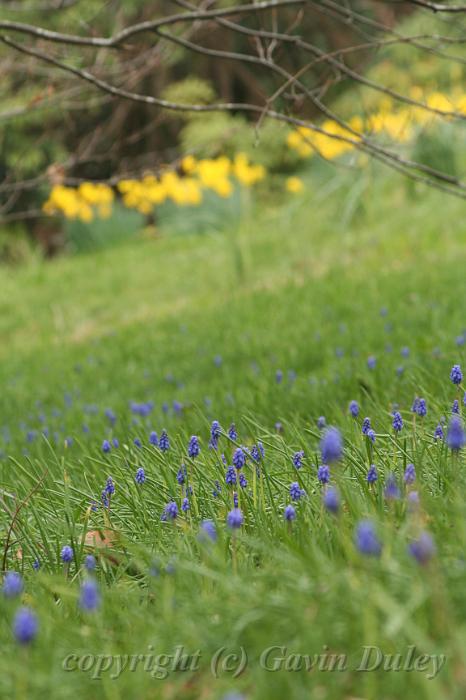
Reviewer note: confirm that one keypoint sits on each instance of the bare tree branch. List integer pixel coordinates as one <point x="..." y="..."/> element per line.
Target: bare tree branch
<point x="53" y="5"/>
<point x="438" y="7"/>
<point x="143" y="27"/>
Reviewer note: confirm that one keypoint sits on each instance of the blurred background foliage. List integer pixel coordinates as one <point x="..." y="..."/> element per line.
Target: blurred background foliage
<point x="131" y="134"/>
<point x="54" y="129"/>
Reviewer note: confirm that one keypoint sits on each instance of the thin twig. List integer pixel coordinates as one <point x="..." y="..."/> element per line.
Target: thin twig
<point x="16" y="513"/>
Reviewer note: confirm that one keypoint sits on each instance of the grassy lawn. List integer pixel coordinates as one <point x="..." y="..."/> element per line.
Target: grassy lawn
<point x="269" y="325"/>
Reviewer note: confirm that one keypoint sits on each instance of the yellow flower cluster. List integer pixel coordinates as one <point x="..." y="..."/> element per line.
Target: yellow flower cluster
<point x="149" y="192"/>
<point x="307" y="141"/>
<point x="397" y="123"/>
<point x="81" y="202"/>
<point x="185" y="189"/>
<point x="246" y="173"/>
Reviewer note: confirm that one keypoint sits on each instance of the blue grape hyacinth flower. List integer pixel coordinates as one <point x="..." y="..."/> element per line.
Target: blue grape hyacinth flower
<point x="140" y="476"/>
<point x="331" y="446"/>
<point x="397" y="421"/>
<point x="372" y="474"/>
<point x="456" y="374"/>
<point x="366" y="539"/>
<point x="89" y="599"/>
<point x="67" y="554"/>
<point x="423" y="548"/>
<point x="290" y="513"/>
<point x="455" y="436"/>
<point x="331" y="499"/>
<point x="235" y="518"/>
<point x="193" y="447"/>
<point x="25" y="626"/>
<point x="12" y="584"/>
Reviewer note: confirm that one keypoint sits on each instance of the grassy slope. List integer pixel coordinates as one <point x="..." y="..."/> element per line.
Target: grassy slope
<point x="145" y="322"/>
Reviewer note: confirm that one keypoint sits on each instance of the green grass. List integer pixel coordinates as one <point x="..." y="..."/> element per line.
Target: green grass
<point x="299" y="287"/>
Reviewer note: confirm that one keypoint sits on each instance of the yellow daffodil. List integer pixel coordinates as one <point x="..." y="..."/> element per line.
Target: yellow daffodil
<point x="294" y="185"/>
